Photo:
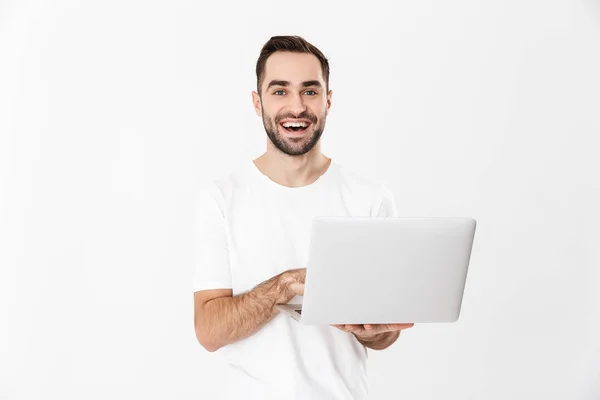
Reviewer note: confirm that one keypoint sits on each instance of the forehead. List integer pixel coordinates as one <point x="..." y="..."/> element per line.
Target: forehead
<point x="293" y="67"/>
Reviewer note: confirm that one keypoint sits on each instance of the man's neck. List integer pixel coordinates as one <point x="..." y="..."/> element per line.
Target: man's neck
<point x="293" y="171"/>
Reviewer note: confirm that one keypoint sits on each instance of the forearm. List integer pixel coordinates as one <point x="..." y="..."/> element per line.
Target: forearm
<point x="230" y="319"/>
<point x="380" y="341"/>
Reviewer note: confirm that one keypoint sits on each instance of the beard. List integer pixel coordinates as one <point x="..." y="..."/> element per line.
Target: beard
<point x="294" y="146"/>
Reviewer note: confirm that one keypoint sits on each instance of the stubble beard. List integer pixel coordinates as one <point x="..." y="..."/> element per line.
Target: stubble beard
<point x="294" y="146"/>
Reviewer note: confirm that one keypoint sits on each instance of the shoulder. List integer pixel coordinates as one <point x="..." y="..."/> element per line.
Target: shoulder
<point x="219" y="190"/>
<point x="361" y="182"/>
<point x="373" y="191"/>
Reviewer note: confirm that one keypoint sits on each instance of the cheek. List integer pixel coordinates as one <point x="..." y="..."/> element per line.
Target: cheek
<point x="319" y="110"/>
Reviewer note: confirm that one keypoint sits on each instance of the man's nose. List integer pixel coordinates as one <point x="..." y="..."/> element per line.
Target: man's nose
<point x="296" y="104"/>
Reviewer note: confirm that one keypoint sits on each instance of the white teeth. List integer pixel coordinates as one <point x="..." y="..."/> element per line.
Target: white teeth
<point x="295" y="124"/>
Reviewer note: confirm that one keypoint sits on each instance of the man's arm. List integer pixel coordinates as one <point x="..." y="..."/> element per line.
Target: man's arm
<point x="221" y="319"/>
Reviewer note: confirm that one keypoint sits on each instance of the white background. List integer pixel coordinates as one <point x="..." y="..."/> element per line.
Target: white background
<point x="113" y="113"/>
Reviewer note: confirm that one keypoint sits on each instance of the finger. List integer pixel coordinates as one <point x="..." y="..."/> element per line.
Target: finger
<point x="349" y="328"/>
<point x="401" y="326"/>
<point x="357" y="329"/>
<point x="394" y="327"/>
<point x="366" y="330"/>
<point x="297" y="288"/>
<point x="383" y="328"/>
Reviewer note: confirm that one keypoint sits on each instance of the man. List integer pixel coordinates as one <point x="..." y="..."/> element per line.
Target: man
<point x="252" y="244"/>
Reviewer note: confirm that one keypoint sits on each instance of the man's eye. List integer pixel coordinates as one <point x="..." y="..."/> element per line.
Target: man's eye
<point x="278" y="91"/>
<point x="312" y="91"/>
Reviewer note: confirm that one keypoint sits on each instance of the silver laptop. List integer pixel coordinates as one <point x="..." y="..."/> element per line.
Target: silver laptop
<point x="373" y="270"/>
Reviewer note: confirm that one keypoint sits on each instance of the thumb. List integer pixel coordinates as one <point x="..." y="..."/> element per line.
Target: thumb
<point x="297" y="288"/>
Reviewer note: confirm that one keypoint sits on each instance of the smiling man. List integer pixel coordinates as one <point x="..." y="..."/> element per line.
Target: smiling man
<point x="295" y="123"/>
<point x="253" y="229"/>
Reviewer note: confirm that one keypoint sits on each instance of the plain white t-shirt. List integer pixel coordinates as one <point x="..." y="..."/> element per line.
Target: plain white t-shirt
<point x="250" y="228"/>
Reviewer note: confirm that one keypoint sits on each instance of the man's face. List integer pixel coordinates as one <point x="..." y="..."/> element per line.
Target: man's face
<point x="293" y="103"/>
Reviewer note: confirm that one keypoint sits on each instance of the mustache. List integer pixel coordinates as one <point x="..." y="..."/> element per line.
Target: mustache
<point x="305" y="115"/>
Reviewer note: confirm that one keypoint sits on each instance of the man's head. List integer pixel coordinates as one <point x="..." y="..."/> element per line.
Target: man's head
<point x="293" y="96"/>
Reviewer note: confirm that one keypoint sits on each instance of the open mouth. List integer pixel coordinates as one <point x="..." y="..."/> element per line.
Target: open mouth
<point x="296" y="127"/>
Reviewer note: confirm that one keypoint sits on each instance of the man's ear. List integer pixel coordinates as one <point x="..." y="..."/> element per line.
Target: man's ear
<point x="256" y="103"/>
<point x="329" y="94"/>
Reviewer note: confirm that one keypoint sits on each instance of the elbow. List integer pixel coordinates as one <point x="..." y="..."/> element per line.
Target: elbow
<point x="206" y="341"/>
<point x="211" y="348"/>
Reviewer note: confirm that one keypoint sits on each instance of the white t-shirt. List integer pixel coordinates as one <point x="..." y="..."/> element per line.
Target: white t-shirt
<point x="250" y="228"/>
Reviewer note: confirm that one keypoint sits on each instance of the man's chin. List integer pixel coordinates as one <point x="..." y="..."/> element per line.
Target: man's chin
<point x="293" y="147"/>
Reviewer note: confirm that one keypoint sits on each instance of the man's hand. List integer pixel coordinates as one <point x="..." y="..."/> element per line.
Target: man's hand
<point x="221" y="318"/>
<point x="375" y="336"/>
<point x="368" y="331"/>
<point x="297" y="289"/>
<point x="290" y="284"/>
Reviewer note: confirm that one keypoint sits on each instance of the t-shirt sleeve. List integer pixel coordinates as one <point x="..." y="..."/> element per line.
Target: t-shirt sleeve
<point x="387" y="205"/>
<point x="212" y="269"/>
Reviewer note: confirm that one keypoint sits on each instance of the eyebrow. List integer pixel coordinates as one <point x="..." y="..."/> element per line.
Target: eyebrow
<point x="287" y="83"/>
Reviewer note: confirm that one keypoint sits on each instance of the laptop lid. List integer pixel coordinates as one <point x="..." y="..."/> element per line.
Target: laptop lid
<point x="386" y="270"/>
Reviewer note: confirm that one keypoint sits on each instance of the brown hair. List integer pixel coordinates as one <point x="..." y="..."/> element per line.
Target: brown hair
<point x="294" y="44"/>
